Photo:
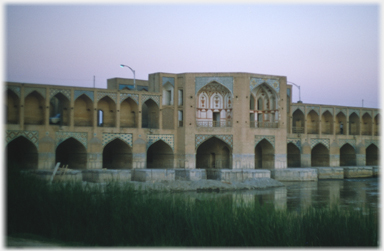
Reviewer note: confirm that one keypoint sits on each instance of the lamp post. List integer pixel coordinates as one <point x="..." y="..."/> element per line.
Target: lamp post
<point x="299" y="91"/>
<point x="134" y="78"/>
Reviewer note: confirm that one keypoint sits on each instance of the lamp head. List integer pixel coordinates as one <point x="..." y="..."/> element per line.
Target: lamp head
<point x="122" y="65"/>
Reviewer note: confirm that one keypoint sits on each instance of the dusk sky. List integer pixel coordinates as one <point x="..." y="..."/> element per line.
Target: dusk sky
<point x="331" y="51"/>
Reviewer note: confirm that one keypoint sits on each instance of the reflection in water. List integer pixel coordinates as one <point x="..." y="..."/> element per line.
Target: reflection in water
<point x="296" y="196"/>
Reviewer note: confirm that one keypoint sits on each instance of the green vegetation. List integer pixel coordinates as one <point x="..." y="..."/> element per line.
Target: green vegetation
<point x="119" y="216"/>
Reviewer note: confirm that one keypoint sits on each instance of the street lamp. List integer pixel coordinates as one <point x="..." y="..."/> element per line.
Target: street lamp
<point x="299" y="91"/>
<point x="134" y="78"/>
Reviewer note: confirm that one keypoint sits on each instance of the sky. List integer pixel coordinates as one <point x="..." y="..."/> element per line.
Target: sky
<point x="330" y="50"/>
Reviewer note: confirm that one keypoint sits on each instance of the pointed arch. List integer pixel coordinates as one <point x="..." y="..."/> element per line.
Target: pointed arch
<point x="21" y="154"/>
<point x="327" y="123"/>
<point x="372" y="155"/>
<point x="83" y="111"/>
<point x="354" y="124"/>
<point x="312" y="122"/>
<point x="320" y="156"/>
<point x="376" y="126"/>
<point x="72" y="153"/>
<point x="293" y="155"/>
<point x="341" y="123"/>
<point x="160" y="155"/>
<point x="108" y="106"/>
<point x="59" y="105"/>
<point x="265" y="106"/>
<point x="34" y="109"/>
<point x="367" y="124"/>
<point x="213" y="152"/>
<point x="347" y="155"/>
<point x="298" y="120"/>
<point x="117" y="154"/>
<point x="150" y="114"/>
<point x="168" y="93"/>
<point x="264" y="155"/>
<point x="128" y="113"/>
<point x="13" y="107"/>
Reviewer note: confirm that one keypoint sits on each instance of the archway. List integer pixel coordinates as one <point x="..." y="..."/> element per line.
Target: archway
<point x="264" y="155"/>
<point x="13" y="102"/>
<point x="298" y="121"/>
<point x="108" y="106"/>
<point x="293" y="155"/>
<point x="150" y="114"/>
<point x="312" y="122"/>
<point x="377" y="125"/>
<point x="265" y="106"/>
<point x="34" y="107"/>
<point x="59" y="104"/>
<point x="72" y="153"/>
<point x="341" y="122"/>
<point x="159" y="155"/>
<point x="347" y="155"/>
<point x="367" y="124"/>
<point x="372" y="155"/>
<point x="168" y="94"/>
<point x="319" y="156"/>
<point x="354" y="124"/>
<point x="83" y="111"/>
<point x="128" y="113"/>
<point x="213" y="153"/>
<point x="21" y="154"/>
<point x="117" y="155"/>
<point x="327" y="123"/>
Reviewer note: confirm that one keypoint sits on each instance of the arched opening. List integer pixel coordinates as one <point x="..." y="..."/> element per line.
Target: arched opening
<point x="168" y="94"/>
<point x="21" y="154"/>
<point x="377" y="125"/>
<point x="117" y="155"/>
<point x="128" y="113"/>
<point x="327" y="123"/>
<point x="312" y="122"/>
<point x="264" y="155"/>
<point x="72" y="153"/>
<point x="372" y="155"/>
<point x="213" y="153"/>
<point x="354" y="124"/>
<point x="367" y="124"/>
<point x="108" y="107"/>
<point x="293" y="155"/>
<point x="214" y="106"/>
<point x="347" y="155"/>
<point x="150" y="114"/>
<point x="320" y="156"/>
<point x="298" y="121"/>
<point x="34" y="107"/>
<point x="266" y="110"/>
<point x="59" y="110"/>
<point x="341" y="122"/>
<point x="159" y="155"/>
<point x="83" y="111"/>
<point x="13" y="103"/>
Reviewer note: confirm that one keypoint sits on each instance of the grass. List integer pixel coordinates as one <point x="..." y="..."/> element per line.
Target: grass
<point x="120" y="216"/>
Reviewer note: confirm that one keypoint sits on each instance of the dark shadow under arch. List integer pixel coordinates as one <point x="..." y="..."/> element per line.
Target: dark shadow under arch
<point x="72" y="153"/>
<point x="264" y="155"/>
<point x="117" y="155"/>
<point x="320" y="156"/>
<point x="293" y="155"/>
<point x="21" y="154"/>
<point x="159" y="155"/>
<point x="347" y="155"/>
<point x="213" y="153"/>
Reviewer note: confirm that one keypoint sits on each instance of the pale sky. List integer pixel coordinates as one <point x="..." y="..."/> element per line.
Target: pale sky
<point x="330" y="50"/>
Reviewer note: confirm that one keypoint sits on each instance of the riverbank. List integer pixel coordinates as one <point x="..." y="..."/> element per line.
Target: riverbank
<point x="199" y="186"/>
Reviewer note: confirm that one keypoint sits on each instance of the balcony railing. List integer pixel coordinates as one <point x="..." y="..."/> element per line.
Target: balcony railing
<point x="227" y="123"/>
<point x="257" y="124"/>
<point x="297" y="129"/>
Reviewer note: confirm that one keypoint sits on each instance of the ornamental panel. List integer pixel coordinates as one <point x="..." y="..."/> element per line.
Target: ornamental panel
<point x="82" y="137"/>
<point x="343" y="110"/>
<point x="108" y="137"/>
<point x="301" y="108"/>
<point x="200" y="138"/>
<point x="65" y="92"/>
<point x="269" y="138"/>
<point x="90" y="94"/>
<point x="124" y="96"/>
<point x="272" y="82"/>
<point x="28" y="90"/>
<point x="33" y="136"/>
<point x="354" y="111"/>
<point x="167" y="138"/>
<point x="329" y="109"/>
<point x="375" y="142"/>
<point x="315" y="108"/>
<point x="200" y="82"/>
<point x="296" y="142"/>
<point x="314" y="142"/>
<point x="155" y="98"/>
<point x="170" y="80"/>
<point x="15" y="89"/>
<point x="101" y="95"/>
<point x="352" y="142"/>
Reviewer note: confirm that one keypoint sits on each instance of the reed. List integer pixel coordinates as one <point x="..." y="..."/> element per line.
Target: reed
<point x="119" y="216"/>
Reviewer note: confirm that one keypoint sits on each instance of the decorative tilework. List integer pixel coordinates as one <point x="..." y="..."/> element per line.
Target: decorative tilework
<point x="82" y="137"/>
<point x="352" y="142"/>
<point x="126" y="137"/>
<point x="343" y="110"/>
<point x="65" y="92"/>
<point x="202" y="81"/>
<point x="167" y="138"/>
<point x="314" y="142"/>
<point x="354" y="111"/>
<point x="170" y="80"/>
<point x="28" y="90"/>
<point x="200" y="138"/>
<point x="155" y="98"/>
<point x="269" y="138"/>
<point x="101" y="95"/>
<point x="296" y="142"/>
<point x="329" y="109"/>
<point x="15" y="89"/>
<point x="375" y="113"/>
<point x="272" y="82"/>
<point x="301" y="108"/>
<point x="375" y="142"/>
<point x="315" y="108"/>
<point x="124" y="96"/>
<point x="33" y="136"/>
<point x="90" y="94"/>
